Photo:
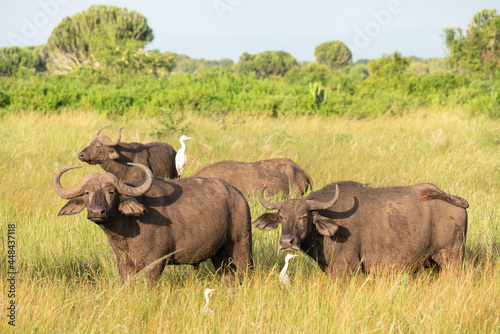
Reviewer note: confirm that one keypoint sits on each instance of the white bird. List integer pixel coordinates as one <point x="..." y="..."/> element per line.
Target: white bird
<point x="180" y="157"/>
<point x="284" y="279"/>
<point x="206" y="309"/>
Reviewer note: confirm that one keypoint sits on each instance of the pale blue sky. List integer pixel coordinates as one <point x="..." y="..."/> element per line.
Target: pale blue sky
<point x="215" y="29"/>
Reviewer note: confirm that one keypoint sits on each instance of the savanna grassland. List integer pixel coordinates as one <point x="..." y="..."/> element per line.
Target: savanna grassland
<point x="67" y="280"/>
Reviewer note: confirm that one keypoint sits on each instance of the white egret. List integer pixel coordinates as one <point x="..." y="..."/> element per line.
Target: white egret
<point x="284" y="279"/>
<point x="206" y="309"/>
<point x="180" y="157"/>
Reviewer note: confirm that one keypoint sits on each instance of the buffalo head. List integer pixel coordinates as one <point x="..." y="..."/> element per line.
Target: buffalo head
<point x="100" y="149"/>
<point x="103" y="195"/>
<point x="298" y="218"/>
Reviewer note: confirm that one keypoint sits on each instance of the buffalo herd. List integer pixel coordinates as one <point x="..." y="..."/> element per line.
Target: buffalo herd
<point x="153" y="218"/>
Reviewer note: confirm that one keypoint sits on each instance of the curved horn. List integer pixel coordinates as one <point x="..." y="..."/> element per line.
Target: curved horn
<point x="99" y="131"/>
<point x="266" y="204"/>
<point x="135" y="191"/>
<point x="117" y="140"/>
<point x="68" y="193"/>
<point x="315" y="205"/>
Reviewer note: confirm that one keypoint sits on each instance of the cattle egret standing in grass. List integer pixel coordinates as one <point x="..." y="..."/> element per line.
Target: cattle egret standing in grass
<point x="284" y="279"/>
<point x="206" y="309"/>
<point x="180" y="157"/>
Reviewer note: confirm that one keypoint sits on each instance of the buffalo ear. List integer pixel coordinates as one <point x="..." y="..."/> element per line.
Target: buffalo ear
<point x="73" y="206"/>
<point x="325" y="226"/>
<point x="129" y="206"/>
<point x="268" y="221"/>
<point x="112" y="154"/>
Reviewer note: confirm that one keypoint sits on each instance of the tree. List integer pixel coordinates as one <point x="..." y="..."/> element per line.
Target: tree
<point x="14" y="59"/>
<point x="186" y="64"/>
<point x="389" y="66"/>
<point x="333" y="54"/>
<point x="267" y="63"/>
<point x="122" y="56"/>
<point x="479" y="48"/>
<point x="310" y="72"/>
<point x="77" y="40"/>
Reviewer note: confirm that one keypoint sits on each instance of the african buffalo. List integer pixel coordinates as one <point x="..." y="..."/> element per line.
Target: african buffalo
<point x="347" y="226"/>
<point x="182" y="221"/>
<point x="277" y="174"/>
<point x="113" y="157"/>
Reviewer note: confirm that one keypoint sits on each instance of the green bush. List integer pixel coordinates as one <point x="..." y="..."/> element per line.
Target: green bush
<point x="265" y="64"/>
<point x="4" y="100"/>
<point x="311" y="72"/>
<point x="351" y="91"/>
<point x="389" y="65"/>
<point x="14" y="59"/>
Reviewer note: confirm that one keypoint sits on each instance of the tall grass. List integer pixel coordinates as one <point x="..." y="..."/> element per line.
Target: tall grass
<point x="68" y="281"/>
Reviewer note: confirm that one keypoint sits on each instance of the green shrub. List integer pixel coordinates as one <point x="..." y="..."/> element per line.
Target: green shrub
<point x="266" y="64"/>
<point x="312" y="72"/>
<point x="350" y="91"/>
<point x="389" y="66"/>
<point x="15" y="59"/>
<point x="4" y="100"/>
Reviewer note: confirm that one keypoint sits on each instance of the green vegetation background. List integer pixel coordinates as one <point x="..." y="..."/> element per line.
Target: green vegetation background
<point x="109" y="71"/>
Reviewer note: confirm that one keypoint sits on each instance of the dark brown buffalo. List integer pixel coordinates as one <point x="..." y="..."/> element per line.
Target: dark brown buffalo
<point x="113" y="156"/>
<point x="279" y="175"/>
<point x="182" y="221"/>
<point x="348" y="226"/>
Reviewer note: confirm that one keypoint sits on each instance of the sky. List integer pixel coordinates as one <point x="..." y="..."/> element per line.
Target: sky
<point x="216" y="29"/>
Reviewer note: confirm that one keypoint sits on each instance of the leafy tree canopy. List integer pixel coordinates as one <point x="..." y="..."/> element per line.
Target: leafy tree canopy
<point x="311" y="72"/>
<point x="14" y="59"/>
<point x="128" y="56"/>
<point x="333" y="54"/>
<point x="73" y="33"/>
<point x="93" y="37"/>
<point x="479" y="48"/>
<point x="185" y="64"/>
<point x="267" y="63"/>
<point x="389" y="66"/>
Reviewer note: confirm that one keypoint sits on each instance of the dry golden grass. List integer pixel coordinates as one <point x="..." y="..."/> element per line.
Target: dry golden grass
<point x="67" y="279"/>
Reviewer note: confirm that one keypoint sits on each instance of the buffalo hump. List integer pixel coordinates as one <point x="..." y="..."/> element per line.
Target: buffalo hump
<point x="279" y="175"/>
<point x="114" y="156"/>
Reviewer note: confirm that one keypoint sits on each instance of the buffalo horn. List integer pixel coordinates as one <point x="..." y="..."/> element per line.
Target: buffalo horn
<point x="69" y="193"/>
<point x="117" y="140"/>
<point x="315" y="205"/>
<point x="266" y="204"/>
<point x="135" y="191"/>
<point x="99" y="131"/>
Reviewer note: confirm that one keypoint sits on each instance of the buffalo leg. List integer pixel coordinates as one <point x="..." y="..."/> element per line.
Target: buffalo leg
<point x="450" y="257"/>
<point x="129" y="270"/>
<point x="154" y="270"/>
<point x="222" y="262"/>
<point x="341" y="268"/>
<point x="242" y="255"/>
